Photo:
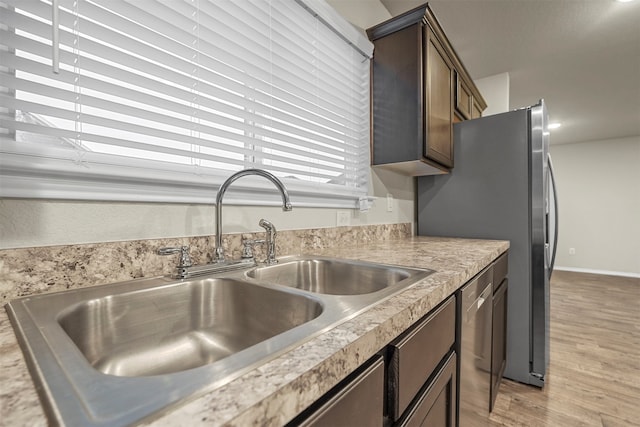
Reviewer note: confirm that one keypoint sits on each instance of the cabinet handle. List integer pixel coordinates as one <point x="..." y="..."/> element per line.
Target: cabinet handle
<point x="485" y="294"/>
<point x="185" y="258"/>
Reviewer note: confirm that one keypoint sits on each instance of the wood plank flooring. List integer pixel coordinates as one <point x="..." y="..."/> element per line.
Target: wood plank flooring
<point x="594" y="372"/>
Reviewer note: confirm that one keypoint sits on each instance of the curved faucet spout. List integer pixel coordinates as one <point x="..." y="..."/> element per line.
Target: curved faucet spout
<point x="286" y="203"/>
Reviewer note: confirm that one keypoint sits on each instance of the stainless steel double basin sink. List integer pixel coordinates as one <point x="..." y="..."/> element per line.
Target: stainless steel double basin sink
<point x="117" y="354"/>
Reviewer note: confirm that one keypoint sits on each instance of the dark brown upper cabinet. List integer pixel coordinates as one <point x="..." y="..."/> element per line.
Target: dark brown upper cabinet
<point x="419" y="89"/>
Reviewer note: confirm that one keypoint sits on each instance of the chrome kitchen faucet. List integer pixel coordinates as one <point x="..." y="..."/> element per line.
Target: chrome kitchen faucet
<point x="185" y="269"/>
<point x="218" y="255"/>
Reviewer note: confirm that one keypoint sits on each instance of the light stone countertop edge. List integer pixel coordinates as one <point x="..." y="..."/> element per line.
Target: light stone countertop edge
<point x="275" y="392"/>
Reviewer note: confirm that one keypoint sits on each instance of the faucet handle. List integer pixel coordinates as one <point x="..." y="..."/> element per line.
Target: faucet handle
<point x="247" y="247"/>
<point x="185" y="258"/>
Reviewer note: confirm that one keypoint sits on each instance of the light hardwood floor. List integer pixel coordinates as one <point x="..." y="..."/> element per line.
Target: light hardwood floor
<point x="594" y="372"/>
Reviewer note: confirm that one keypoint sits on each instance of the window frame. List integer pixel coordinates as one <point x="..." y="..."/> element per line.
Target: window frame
<point x="50" y="173"/>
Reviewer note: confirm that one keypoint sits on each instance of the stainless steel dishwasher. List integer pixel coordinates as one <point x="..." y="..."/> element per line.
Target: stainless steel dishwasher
<point x="475" y="350"/>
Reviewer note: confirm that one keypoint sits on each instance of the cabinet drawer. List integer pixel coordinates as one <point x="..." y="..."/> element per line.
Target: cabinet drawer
<point x="414" y="356"/>
<point x="436" y="405"/>
<point x="500" y="269"/>
<point x="357" y="401"/>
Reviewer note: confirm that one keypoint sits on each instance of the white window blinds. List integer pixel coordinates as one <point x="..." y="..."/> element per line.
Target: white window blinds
<point x="161" y="100"/>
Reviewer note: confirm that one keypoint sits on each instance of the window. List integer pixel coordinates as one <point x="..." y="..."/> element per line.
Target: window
<point x="161" y="100"/>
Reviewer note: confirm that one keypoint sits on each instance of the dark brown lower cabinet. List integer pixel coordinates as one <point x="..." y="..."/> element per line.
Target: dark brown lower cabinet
<point x="415" y="355"/>
<point x="435" y="405"/>
<point x="356" y="401"/>
<point x="414" y="383"/>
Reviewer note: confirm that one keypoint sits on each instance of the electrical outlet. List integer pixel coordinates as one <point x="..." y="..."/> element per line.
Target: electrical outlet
<point x="343" y="218"/>
<point x="572" y="251"/>
<point x="389" y="202"/>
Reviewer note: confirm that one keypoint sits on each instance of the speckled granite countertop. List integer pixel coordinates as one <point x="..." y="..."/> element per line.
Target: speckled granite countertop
<point x="278" y="390"/>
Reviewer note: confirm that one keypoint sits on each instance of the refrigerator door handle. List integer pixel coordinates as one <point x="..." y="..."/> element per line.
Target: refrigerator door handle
<point x="555" y="204"/>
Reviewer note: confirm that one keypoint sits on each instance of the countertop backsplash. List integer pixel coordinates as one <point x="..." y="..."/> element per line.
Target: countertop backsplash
<point x="28" y="271"/>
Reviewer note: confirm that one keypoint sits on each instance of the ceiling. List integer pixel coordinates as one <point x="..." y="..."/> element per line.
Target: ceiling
<point x="581" y="56"/>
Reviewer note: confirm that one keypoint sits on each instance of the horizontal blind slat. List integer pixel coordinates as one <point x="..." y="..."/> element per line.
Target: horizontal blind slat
<point x="155" y="70"/>
<point x="159" y="168"/>
<point x="283" y="36"/>
<point x="133" y="145"/>
<point x="213" y="17"/>
<point x="162" y="135"/>
<point x="167" y="74"/>
<point x="322" y="151"/>
<point x="180" y="52"/>
<point x="174" y="91"/>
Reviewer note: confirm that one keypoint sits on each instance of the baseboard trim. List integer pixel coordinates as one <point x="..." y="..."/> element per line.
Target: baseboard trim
<point x="591" y="271"/>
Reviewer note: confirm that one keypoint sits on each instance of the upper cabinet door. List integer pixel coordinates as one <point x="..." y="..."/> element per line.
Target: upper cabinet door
<point x="464" y="98"/>
<point x="439" y="79"/>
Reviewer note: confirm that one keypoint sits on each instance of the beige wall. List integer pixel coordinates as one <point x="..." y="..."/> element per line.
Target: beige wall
<point x="361" y="13"/>
<point x="599" y="205"/>
<point x="28" y="223"/>
<point x="599" y="196"/>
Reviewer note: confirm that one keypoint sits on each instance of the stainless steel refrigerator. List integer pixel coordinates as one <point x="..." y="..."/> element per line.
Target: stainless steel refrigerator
<point x="501" y="187"/>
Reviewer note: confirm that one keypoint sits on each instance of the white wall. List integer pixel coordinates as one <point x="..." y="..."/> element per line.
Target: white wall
<point x="599" y="205"/>
<point x="495" y="91"/>
<point x="26" y="223"/>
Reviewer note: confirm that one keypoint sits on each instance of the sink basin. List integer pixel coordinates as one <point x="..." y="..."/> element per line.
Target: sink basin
<point x="332" y="276"/>
<point x="113" y="355"/>
<point x="174" y="328"/>
<point x="118" y="354"/>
